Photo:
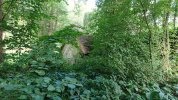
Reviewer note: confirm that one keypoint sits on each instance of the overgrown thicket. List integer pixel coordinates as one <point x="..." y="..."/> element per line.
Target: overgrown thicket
<point x="56" y="17"/>
<point x="132" y="39"/>
<point x="119" y="40"/>
<point x="133" y="55"/>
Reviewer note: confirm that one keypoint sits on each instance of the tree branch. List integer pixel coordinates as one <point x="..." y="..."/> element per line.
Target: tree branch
<point x="175" y="15"/>
<point x="8" y="9"/>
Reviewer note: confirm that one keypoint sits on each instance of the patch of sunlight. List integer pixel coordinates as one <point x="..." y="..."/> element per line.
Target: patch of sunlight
<point x="84" y="7"/>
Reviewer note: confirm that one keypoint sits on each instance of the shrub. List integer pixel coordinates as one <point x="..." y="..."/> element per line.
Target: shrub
<point x="43" y="56"/>
<point x="67" y="35"/>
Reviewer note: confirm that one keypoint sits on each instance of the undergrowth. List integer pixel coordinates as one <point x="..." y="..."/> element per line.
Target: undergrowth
<point x="42" y="74"/>
<point x="44" y="77"/>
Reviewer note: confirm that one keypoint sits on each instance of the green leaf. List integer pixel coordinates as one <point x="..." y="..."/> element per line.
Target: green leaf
<point x="40" y="72"/>
<point x="58" y="83"/>
<point x="45" y="85"/>
<point x="176" y="87"/>
<point x="47" y="79"/>
<point x="72" y="86"/>
<point x="23" y="97"/>
<point x="86" y="92"/>
<point x="10" y="87"/>
<point x="37" y="97"/>
<point x="56" y="98"/>
<point x="27" y="90"/>
<point x="38" y="80"/>
<point x="80" y="85"/>
<point x="73" y="80"/>
<point x="34" y="62"/>
<point x="58" y="89"/>
<point x="154" y="95"/>
<point x="161" y="95"/>
<point x="51" y="88"/>
<point x="37" y="91"/>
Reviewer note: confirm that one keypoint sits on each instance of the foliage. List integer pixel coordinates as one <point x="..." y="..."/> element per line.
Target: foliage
<point x="57" y="17"/>
<point x="90" y="20"/>
<point x="131" y="44"/>
<point x="173" y="47"/>
<point x="126" y="51"/>
<point x="42" y="57"/>
<point x="69" y="86"/>
<point x="66" y="35"/>
<point x="21" y="21"/>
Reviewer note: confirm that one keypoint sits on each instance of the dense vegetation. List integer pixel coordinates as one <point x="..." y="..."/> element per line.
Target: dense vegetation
<point x="133" y="52"/>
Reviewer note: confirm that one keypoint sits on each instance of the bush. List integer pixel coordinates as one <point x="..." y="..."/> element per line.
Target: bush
<point x="121" y="44"/>
<point x="43" y="56"/>
<point x="67" y="35"/>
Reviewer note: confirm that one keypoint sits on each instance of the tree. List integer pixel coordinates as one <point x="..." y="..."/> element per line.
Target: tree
<point x="122" y="39"/>
<point x="145" y="10"/>
<point x="133" y="36"/>
<point x="56" y="17"/>
<point x="21" y="20"/>
<point x="1" y="32"/>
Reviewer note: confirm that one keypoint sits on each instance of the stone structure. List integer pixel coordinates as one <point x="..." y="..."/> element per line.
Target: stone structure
<point x="70" y="53"/>
<point x="85" y="43"/>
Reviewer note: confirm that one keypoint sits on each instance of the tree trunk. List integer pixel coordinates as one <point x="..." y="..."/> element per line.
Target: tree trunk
<point x="51" y="21"/>
<point x="175" y="15"/>
<point x="154" y="15"/>
<point x="166" y="44"/>
<point x="56" y="21"/>
<point x="149" y="31"/>
<point x="174" y="37"/>
<point x="1" y="33"/>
